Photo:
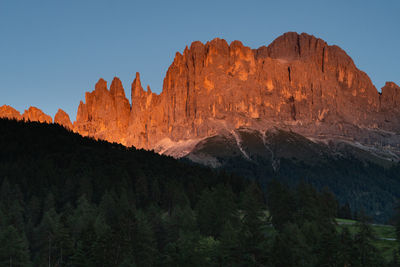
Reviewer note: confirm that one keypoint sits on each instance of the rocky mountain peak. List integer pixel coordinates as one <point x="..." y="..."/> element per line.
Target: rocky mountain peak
<point x="390" y="86"/>
<point x="35" y="114"/>
<point x="116" y="88"/>
<point x="390" y="97"/>
<point x="63" y="119"/>
<point x="298" y="82"/>
<point x="137" y="89"/>
<point x="292" y="46"/>
<point x="101" y="85"/>
<point x="9" y="113"/>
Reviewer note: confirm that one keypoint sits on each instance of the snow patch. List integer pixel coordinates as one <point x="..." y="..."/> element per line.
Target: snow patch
<point x="239" y="144"/>
<point x="176" y="149"/>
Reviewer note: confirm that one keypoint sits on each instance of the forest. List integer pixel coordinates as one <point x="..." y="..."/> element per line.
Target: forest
<point x="363" y="185"/>
<point x="68" y="200"/>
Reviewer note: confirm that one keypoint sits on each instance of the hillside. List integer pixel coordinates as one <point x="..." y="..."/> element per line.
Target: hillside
<point x="66" y="200"/>
<point x="365" y="179"/>
<point x="76" y="197"/>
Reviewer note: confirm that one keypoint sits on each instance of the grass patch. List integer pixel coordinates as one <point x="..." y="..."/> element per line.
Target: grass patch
<point x="345" y="221"/>
<point x="386" y="247"/>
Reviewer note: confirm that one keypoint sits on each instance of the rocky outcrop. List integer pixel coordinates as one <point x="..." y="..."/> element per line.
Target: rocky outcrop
<point x="298" y="83"/>
<point x="105" y="115"/>
<point x="390" y="97"/>
<point x="9" y="113"/>
<point x="35" y="114"/>
<point x="389" y="113"/>
<point x="63" y="119"/>
<point x="146" y="116"/>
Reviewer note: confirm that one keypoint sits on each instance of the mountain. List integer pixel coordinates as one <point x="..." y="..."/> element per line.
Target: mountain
<point x="297" y="103"/>
<point x="360" y="176"/>
<point x="298" y="83"/>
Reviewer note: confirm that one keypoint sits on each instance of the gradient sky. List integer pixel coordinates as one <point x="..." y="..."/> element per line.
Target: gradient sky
<point x="51" y="52"/>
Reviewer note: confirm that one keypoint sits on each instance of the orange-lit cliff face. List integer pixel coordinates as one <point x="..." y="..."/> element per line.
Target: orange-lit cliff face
<point x="9" y="112"/>
<point x="105" y="115"/>
<point x="298" y="81"/>
<point x="63" y="119"/>
<point x="31" y="114"/>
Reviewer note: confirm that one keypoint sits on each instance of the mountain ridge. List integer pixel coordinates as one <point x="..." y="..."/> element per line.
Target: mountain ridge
<point x="298" y="83"/>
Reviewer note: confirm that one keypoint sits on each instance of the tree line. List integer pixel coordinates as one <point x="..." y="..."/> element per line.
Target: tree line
<point x="66" y="200"/>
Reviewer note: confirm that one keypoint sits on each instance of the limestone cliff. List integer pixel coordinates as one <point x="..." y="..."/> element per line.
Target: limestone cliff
<point x="63" y="119"/>
<point x="105" y="115"/>
<point x="9" y="113"/>
<point x="298" y="82"/>
<point x="35" y="114"/>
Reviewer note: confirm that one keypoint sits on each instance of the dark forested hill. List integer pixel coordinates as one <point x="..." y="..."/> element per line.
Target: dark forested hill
<point x="365" y="180"/>
<point x="66" y="200"/>
<point x="43" y="158"/>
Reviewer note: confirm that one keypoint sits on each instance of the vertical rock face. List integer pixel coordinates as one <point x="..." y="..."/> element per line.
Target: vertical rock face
<point x="35" y="114"/>
<point x="390" y="106"/>
<point x="105" y="115"/>
<point x="146" y="115"/>
<point x="298" y="81"/>
<point x="390" y="97"/>
<point x="9" y="113"/>
<point x="63" y="119"/>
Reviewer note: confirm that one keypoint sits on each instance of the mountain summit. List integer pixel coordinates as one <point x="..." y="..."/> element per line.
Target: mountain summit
<point x="298" y="83"/>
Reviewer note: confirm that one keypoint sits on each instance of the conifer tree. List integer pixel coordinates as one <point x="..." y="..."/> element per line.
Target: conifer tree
<point x="251" y="236"/>
<point x="367" y="254"/>
<point x="145" y="247"/>
<point x="290" y="249"/>
<point x="229" y="248"/>
<point x="281" y="204"/>
<point x="347" y="252"/>
<point x="13" y="247"/>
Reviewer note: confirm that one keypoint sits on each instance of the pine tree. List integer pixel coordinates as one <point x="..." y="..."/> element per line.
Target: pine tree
<point x="108" y="208"/>
<point x="141" y="188"/>
<point x="307" y="203"/>
<point x="229" y="248"/>
<point x="251" y="236"/>
<point x="45" y="238"/>
<point x="328" y="248"/>
<point x="347" y="251"/>
<point x="207" y="252"/>
<point x="214" y="208"/>
<point x="103" y="248"/>
<point x="155" y="218"/>
<point x="128" y="262"/>
<point x="82" y="217"/>
<point x="344" y="211"/>
<point x="13" y="248"/>
<point x="290" y="249"/>
<point x="281" y="204"/>
<point x="367" y="253"/>
<point x="79" y="257"/>
<point x="182" y="219"/>
<point x="145" y="246"/>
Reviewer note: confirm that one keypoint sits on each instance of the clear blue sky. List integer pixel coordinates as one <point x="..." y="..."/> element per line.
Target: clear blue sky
<point x="51" y="52"/>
